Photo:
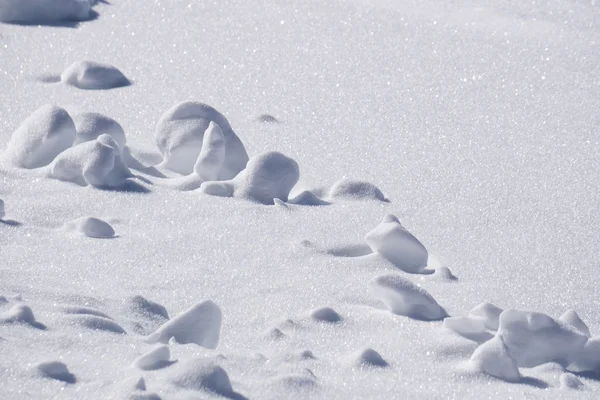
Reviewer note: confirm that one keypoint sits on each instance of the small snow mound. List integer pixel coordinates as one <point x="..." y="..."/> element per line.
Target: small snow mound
<point x="145" y="307"/>
<point x="212" y="155"/>
<point x="307" y="355"/>
<point x="46" y="133"/>
<point x="493" y="358"/>
<point x="44" y="11"/>
<point x="534" y="338"/>
<point x="200" y="324"/>
<point x="156" y="358"/>
<point x="90" y="125"/>
<point x="308" y="198"/>
<point x="2" y="213"/>
<point x="489" y="313"/>
<point x="267" y="119"/>
<point x="403" y="297"/>
<point x="85" y="311"/>
<point x="93" y="76"/>
<point x="443" y="274"/>
<point x="268" y="176"/>
<point x="90" y="227"/>
<point x="20" y="313"/>
<point x="326" y="314"/>
<point x="398" y="245"/>
<point x="140" y="384"/>
<point x="570" y="381"/>
<point x="97" y="163"/>
<point x="201" y="374"/>
<point x="97" y="323"/>
<point x="570" y="317"/>
<point x="275" y="334"/>
<point x="471" y="328"/>
<point x="588" y="358"/>
<point x="370" y="358"/>
<point x="180" y="133"/>
<point x="350" y="189"/>
<point x="55" y="370"/>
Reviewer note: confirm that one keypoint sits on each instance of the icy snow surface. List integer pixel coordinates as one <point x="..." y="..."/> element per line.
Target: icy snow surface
<point x="478" y="121"/>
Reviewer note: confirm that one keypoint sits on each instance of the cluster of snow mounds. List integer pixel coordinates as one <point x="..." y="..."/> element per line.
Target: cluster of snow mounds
<point x="180" y="137"/>
<point x="44" y="11"/>
<point x="512" y="339"/>
<point x="40" y="138"/>
<point x="397" y="245"/>
<point x="200" y="324"/>
<point x="92" y="75"/>
<point x="90" y="227"/>
<point x="268" y="176"/>
<point x="403" y="297"/>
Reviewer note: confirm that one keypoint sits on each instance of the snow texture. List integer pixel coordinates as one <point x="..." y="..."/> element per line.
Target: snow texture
<point x="41" y="137"/>
<point x="156" y="358"/>
<point x="92" y="75"/>
<point x="180" y="136"/>
<point x="20" y="313"/>
<point x="90" y="125"/>
<point x="200" y="324"/>
<point x="44" y="11"/>
<point x="91" y="227"/>
<point x="55" y="370"/>
<point x="398" y="245"/>
<point x="489" y="313"/>
<point x="569" y="381"/>
<point x="403" y="297"/>
<point x="493" y="358"/>
<point x="350" y="189"/>
<point x="571" y="317"/>
<point x="200" y="374"/>
<point x="472" y="328"/>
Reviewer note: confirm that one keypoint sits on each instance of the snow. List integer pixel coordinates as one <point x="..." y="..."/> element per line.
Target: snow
<point x="2" y="211"/>
<point x="571" y="317"/>
<point x="493" y="358"/>
<point x="199" y="375"/>
<point x="90" y="125"/>
<point x="477" y="120"/>
<point x="350" y="189"/>
<point x="155" y="358"/>
<point x="91" y="227"/>
<point x="93" y="75"/>
<point x="370" y="358"/>
<point x="325" y="314"/>
<point x="55" y="370"/>
<point x="44" y="11"/>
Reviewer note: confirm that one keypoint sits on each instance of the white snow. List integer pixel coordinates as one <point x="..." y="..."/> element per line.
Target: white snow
<point x="403" y="297"/>
<point x="325" y="314"/>
<point x="212" y="155"/>
<point x="571" y="317"/>
<point x="489" y="313"/>
<point x="2" y="212"/>
<point x="20" y="313"/>
<point x="588" y="357"/>
<point x="41" y="137"/>
<point x="93" y="75"/>
<point x="90" y="125"/>
<point x="200" y="374"/>
<point x="369" y="358"/>
<point x="351" y="189"/>
<point x="91" y="227"/>
<point x="55" y="370"/>
<point x="472" y="328"/>
<point x="44" y="11"/>
<point x="493" y="358"/>
<point x="569" y="381"/>
<point x="157" y="357"/>
<point x="200" y="324"/>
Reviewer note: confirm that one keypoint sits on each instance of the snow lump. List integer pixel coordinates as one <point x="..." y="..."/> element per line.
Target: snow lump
<point x="44" y="11"/>
<point x="92" y="75"/>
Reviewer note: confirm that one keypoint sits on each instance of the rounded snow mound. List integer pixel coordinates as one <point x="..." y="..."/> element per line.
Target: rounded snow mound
<point x="268" y="176"/>
<point x="55" y="370"/>
<point x="90" y="125"/>
<point x="156" y="358"/>
<point x="201" y="374"/>
<point x="180" y="133"/>
<point x="46" y="133"/>
<point x="97" y="163"/>
<point x="493" y="358"/>
<point x="403" y="297"/>
<point x="326" y="314"/>
<point x="90" y="227"/>
<point x="350" y="189"/>
<point x="369" y="358"/>
<point x="92" y="75"/>
<point x="44" y="11"/>
<point x="20" y="313"/>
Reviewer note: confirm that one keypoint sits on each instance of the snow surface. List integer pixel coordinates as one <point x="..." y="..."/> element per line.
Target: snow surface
<point x="478" y="121"/>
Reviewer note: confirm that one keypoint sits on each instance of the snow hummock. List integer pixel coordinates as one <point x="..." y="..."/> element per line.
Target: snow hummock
<point x="351" y="189"/>
<point x="325" y="314"/>
<point x="97" y="163"/>
<point x="398" y="245"/>
<point x="91" y="227"/>
<point x="55" y="370"/>
<point x="403" y="297"/>
<point x="588" y="357"/>
<point x="180" y="133"/>
<point x="369" y="358"/>
<point x="41" y="137"/>
<point x="570" y="317"/>
<point x="212" y="155"/>
<point x="472" y="328"/>
<point x="93" y="76"/>
<point x="44" y="11"/>
<point x="96" y="323"/>
<point x="90" y="125"/>
<point x="570" y="381"/>
<point x="489" y="313"/>
<point x="20" y="313"/>
<point x="493" y="358"/>
<point x="146" y="307"/>
<point x="268" y="176"/>
<point x="201" y="374"/>
<point x="157" y="357"/>
<point x="200" y="324"/>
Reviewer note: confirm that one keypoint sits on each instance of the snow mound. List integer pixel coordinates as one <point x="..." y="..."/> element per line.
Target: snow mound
<point x="588" y="358"/>
<point x="274" y="334"/>
<point x="489" y="313"/>
<point x="212" y="155"/>
<point x="180" y="133"/>
<point x="200" y="324"/>
<point x="142" y="306"/>
<point x="443" y="274"/>
<point x="140" y="384"/>
<point x="570" y="317"/>
<point x="350" y="189"/>
<point x="403" y="297"/>
<point x="2" y="213"/>
<point x="97" y="163"/>
<point x="570" y="381"/>
<point x="369" y="358"/>
<point x="55" y="370"/>
<point x="156" y="358"/>
<point x="90" y="227"/>
<point x="493" y="358"/>
<point x="268" y="176"/>
<point x="90" y="125"/>
<point x="325" y="314"/>
<point x="307" y="355"/>
<point x="398" y="245"/>
<point x="46" y="133"/>
<point x="97" y="323"/>
<point x="93" y="76"/>
<point x="44" y="11"/>
<point x="201" y="374"/>
<point x="471" y="328"/>
<point x="20" y="313"/>
<point x="308" y="198"/>
<point x="84" y="311"/>
<point x="533" y="338"/>
<point x="267" y="119"/>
